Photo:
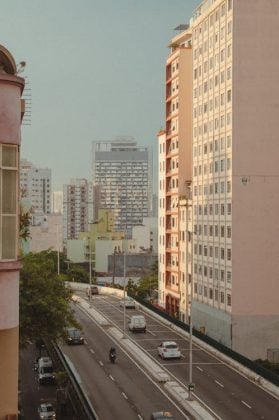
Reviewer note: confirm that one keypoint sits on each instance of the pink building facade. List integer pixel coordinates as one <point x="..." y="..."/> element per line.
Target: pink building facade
<point x="11" y="112"/>
<point x="236" y="172"/>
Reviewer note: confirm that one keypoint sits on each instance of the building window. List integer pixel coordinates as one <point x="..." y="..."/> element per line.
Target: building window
<point x="8" y="200"/>
<point x="229" y="299"/>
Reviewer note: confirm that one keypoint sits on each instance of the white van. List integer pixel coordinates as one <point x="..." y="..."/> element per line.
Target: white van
<point x="137" y="323"/>
<point x="45" y="371"/>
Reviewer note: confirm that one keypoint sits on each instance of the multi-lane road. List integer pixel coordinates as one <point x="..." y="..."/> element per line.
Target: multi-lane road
<point x="124" y="390"/>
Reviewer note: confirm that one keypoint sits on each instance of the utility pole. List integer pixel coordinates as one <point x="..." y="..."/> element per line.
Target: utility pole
<point x="58" y="256"/>
<point x="113" y="268"/>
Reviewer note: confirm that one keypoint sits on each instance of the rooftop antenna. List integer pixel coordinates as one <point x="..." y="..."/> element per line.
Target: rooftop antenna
<point x="20" y="67"/>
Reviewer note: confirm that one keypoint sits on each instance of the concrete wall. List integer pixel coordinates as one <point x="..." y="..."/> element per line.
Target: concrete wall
<point x="9" y="371"/>
<point x="216" y="324"/>
<point x="48" y="235"/>
<point x="75" y="250"/>
<point x="255" y="232"/>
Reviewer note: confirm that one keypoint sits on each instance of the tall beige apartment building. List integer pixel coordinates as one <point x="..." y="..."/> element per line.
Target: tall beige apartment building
<point x="235" y="173"/>
<point x="175" y="173"/>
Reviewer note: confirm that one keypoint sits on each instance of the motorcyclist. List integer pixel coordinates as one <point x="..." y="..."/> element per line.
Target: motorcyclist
<point x="112" y="353"/>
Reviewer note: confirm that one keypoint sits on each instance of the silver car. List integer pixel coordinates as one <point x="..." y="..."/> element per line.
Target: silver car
<point x="128" y="302"/>
<point x="169" y="350"/>
<point x="46" y="411"/>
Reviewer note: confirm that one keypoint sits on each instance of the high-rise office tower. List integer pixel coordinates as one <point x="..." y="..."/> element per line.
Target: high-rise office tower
<point x="77" y="207"/>
<point x="35" y="184"/>
<point x="122" y="178"/>
<point x="235" y="194"/>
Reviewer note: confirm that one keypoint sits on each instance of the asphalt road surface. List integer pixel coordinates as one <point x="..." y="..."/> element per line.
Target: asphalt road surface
<point x="229" y="395"/>
<point x="117" y="391"/>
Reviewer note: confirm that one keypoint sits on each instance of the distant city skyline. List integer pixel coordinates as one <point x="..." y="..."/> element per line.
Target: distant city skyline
<point x="96" y="71"/>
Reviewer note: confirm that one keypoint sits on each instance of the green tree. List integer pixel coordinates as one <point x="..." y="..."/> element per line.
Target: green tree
<point x="78" y="274"/>
<point x="149" y="283"/>
<point x="44" y="310"/>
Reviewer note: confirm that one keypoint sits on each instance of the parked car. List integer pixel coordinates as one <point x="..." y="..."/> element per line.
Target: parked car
<point x="161" y="415"/>
<point x="128" y="302"/>
<point x="94" y="290"/>
<point x="169" y="350"/>
<point x="45" y="371"/>
<point x="74" y="336"/>
<point x="137" y="323"/>
<point x="46" y="411"/>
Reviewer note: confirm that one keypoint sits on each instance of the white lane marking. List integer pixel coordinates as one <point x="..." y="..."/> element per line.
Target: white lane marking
<point x="124" y="395"/>
<point x="101" y="363"/>
<point x="139" y="416"/>
<point x="92" y="351"/>
<point x="152" y="333"/>
<point x="111" y="377"/>
<point x="85" y="342"/>
<point x="144" y="372"/>
<point x="199" y="368"/>
<point x="245" y="403"/>
<point x="219" y="383"/>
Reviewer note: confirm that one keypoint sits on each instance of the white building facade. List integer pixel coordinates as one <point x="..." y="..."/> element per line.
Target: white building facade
<point x="235" y="173"/>
<point x="35" y="184"/>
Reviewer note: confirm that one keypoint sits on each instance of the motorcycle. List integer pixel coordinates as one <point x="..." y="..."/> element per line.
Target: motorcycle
<point x="112" y="356"/>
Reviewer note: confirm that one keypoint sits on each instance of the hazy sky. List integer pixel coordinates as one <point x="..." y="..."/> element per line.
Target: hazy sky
<point x="96" y="69"/>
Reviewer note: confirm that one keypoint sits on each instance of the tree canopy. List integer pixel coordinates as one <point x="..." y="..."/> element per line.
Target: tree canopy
<point x="44" y="310"/>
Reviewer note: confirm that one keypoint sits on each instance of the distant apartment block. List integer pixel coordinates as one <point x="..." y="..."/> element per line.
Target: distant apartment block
<point x="77" y="208"/>
<point x="122" y="178"/>
<point x="235" y="195"/>
<point x="35" y="184"/>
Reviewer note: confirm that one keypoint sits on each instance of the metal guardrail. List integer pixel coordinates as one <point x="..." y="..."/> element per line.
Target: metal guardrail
<point x="79" y="400"/>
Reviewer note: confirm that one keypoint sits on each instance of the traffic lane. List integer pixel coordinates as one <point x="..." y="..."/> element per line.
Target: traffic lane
<point x="31" y="393"/>
<point x="106" y="398"/>
<point x="224" y="390"/>
<point x="261" y="403"/>
<point x="236" y="394"/>
<point x="143" y="395"/>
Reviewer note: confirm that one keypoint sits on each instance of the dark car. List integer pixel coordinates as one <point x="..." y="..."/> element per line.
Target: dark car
<point x="74" y="336"/>
<point x="161" y="415"/>
<point x="94" y="290"/>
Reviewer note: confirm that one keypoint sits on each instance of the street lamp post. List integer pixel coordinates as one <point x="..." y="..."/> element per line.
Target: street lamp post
<point x="124" y="293"/>
<point x="90" y="272"/>
<point x="58" y="256"/>
<point x="191" y="385"/>
<point x="189" y="302"/>
<point x="90" y="269"/>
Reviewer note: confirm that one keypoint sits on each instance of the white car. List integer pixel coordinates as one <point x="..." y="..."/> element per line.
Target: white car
<point x="169" y="350"/>
<point x="128" y="302"/>
<point x="46" y="411"/>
